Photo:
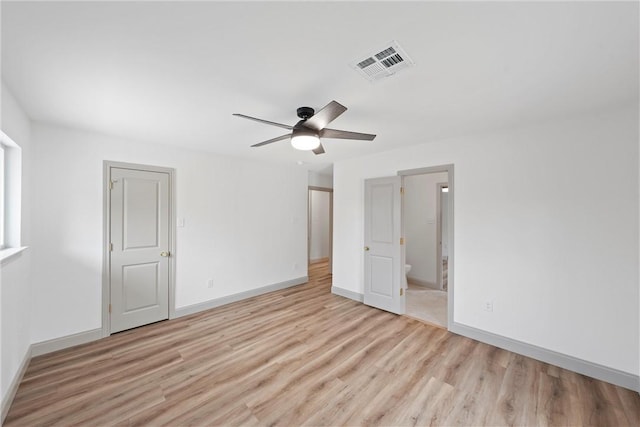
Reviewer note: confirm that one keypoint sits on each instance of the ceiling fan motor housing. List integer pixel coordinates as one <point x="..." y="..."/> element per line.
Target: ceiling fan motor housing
<point x="305" y="112"/>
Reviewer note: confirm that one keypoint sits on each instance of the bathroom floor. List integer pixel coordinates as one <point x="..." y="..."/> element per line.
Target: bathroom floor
<point x="428" y="305"/>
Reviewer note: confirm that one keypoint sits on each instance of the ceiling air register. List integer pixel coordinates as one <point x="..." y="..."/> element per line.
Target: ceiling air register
<point x="383" y="62"/>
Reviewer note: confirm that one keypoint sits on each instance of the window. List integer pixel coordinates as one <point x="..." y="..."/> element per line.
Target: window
<point x="10" y="196"/>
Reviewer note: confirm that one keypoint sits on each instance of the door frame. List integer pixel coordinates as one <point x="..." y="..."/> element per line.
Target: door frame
<point x="449" y="169"/>
<point x="330" y="191"/>
<point x="106" y="232"/>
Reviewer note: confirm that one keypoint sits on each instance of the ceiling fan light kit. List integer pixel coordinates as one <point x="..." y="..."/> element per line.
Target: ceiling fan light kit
<point x="306" y="134"/>
<point x="305" y="141"/>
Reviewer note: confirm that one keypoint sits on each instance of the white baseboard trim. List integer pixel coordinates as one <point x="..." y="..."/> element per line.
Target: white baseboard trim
<point x="590" y="369"/>
<point x="423" y="283"/>
<point x="347" y="294"/>
<point x="7" y="399"/>
<point x="195" y="308"/>
<point x="56" y="344"/>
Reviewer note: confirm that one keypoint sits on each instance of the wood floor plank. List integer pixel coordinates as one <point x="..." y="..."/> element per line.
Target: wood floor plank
<point x="303" y="356"/>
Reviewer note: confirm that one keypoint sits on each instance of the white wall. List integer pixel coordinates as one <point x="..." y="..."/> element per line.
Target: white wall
<point x="245" y="224"/>
<point x="420" y="225"/>
<point x="319" y="211"/>
<point x="15" y="283"/>
<point x="317" y="179"/>
<point x="537" y="230"/>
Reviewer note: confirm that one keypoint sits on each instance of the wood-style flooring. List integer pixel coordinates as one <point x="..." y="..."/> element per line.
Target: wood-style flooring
<point x="303" y="356"/>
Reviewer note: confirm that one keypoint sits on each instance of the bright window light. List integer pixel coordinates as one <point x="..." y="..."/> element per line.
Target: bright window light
<point x="10" y="195"/>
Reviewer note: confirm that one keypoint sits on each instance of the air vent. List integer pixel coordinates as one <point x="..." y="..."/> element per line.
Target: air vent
<point x="383" y="62"/>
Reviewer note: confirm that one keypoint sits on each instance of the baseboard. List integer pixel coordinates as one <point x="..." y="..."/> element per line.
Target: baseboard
<point x="317" y="260"/>
<point x="7" y="399"/>
<point x="590" y="369"/>
<point x="61" y="343"/>
<point x="195" y="308"/>
<point x="347" y="294"/>
<point x="423" y="283"/>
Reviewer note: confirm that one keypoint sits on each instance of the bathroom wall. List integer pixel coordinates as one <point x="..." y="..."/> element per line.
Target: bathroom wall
<point x="420" y="225"/>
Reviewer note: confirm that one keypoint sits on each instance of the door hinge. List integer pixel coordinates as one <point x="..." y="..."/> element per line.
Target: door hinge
<point x="109" y="308"/>
<point x="401" y="190"/>
<point x="401" y="291"/>
<point x="110" y="247"/>
<point x="110" y="185"/>
<point x="402" y="240"/>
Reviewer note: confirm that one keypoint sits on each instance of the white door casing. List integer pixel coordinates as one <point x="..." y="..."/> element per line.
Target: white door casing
<point x="139" y="237"/>
<point x="383" y="267"/>
<point x="449" y="169"/>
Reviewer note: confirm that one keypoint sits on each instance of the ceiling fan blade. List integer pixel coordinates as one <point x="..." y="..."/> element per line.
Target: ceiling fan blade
<point x="264" y="121"/>
<point x="325" y="116"/>
<point x="269" y="141"/>
<point x="343" y="134"/>
<point x="319" y="150"/>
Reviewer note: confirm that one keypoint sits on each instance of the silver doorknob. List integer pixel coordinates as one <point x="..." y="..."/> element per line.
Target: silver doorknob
<point x="366" y="248"/>
<point x="165" y="253"/>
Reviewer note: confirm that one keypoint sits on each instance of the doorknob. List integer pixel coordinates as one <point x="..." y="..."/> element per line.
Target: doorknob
<point x="366" y="248"/>
<point x="165" y="253"/>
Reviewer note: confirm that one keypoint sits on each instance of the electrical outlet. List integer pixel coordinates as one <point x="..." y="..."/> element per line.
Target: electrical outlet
<point x="210" y="283"/>
<point x="488" y="306"/>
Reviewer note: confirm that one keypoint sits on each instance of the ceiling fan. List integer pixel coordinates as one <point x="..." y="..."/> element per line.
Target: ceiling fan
<point x="306" y="134"/>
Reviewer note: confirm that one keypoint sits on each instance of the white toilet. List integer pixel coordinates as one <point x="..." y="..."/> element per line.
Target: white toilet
<point x="407" y="269"/>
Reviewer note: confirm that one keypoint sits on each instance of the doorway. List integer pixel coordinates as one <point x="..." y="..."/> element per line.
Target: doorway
<point x="139" y="250"/>
<point x="427" y="227"/>
<point x="320" y="226"/>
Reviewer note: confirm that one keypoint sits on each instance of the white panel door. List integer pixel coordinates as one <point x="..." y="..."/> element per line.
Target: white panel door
<point x="140" y="248"/>
<point x="383" y="267"/>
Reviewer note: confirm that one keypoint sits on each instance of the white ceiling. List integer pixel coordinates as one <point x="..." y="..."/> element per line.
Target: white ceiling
<point x="174" y="72"/>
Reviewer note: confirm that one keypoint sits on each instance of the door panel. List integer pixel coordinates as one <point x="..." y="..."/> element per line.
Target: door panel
<point x="381" y="211"/>
<point x="381" y="275"/>
<point x="140" y="238"/>
<point x="141" y="213"/>
<point x="139" y="286"/>
<point x="383" y="252"/>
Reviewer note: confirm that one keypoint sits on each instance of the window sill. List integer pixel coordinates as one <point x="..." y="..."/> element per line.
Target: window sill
<point x="7" y="253"/>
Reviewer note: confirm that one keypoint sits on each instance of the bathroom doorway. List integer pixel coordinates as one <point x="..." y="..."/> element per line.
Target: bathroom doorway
<point x="427" y="215"/>
<point x="320" y="226"/>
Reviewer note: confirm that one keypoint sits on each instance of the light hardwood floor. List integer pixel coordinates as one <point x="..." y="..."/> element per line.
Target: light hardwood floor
<point x="305" y="356"/>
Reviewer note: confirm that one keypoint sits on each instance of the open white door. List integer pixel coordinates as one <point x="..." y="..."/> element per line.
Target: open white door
<point x="139" y="248"/>
<point x="383" y="267"/>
